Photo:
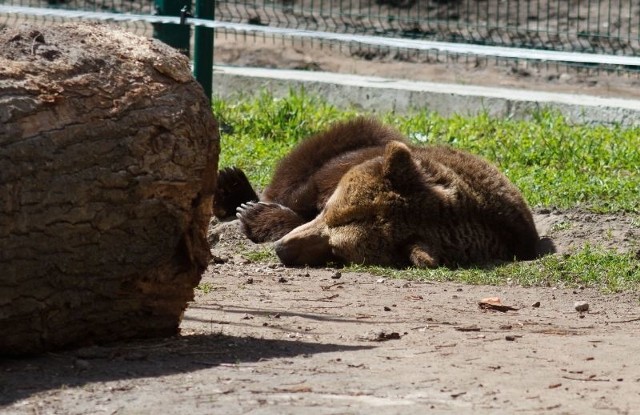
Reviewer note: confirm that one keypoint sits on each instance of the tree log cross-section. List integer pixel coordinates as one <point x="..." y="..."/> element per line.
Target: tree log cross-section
<point x="108" y="161"/>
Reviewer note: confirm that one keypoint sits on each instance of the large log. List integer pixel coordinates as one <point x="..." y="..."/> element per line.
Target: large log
<point x="108" y="160"/>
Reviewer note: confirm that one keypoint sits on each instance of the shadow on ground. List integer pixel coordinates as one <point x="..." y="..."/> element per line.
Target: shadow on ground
<point x="21" y="378"/>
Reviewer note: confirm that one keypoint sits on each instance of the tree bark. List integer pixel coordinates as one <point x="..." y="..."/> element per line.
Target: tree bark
<point x="108" y="161"/>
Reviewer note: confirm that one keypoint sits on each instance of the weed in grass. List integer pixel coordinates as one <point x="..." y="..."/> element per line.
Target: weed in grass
<point x="609" y="234"/>
<point x="561" y="226"/>
<point x="261" y="255"/>
<point x="205" y="287"/>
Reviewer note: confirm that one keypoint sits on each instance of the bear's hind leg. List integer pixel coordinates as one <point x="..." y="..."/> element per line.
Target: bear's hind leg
<point x="232" y="190"/>
<point x="265" y="222"/>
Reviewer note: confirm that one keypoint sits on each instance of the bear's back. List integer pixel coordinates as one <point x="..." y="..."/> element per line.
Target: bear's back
<point x="492" y="202"/>
<point x="310" y="172"/>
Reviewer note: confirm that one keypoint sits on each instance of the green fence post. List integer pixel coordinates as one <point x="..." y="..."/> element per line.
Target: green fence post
<point x="175" y="35"/>
<point x="203" y="47"/>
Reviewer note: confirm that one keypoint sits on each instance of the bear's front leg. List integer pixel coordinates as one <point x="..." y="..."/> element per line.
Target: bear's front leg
<point x="232" y="190"/>
<point x="267" y="222"/>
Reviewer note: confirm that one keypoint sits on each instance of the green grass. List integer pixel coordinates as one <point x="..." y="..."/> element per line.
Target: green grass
<point x="589" y="267"/>
<point x="205" y="287"/>
<point x="260" y="255"/>
<point x="553" y="162"/>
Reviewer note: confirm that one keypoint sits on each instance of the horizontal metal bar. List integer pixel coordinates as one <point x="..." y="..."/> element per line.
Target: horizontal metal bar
<point x="446" y="47"/>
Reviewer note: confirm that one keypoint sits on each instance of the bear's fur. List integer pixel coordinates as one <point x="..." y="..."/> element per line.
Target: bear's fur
<point x="232" y="190"/>
<point x="360" y="193"/>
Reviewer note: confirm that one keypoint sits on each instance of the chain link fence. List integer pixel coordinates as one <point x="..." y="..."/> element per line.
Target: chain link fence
<point x="108" y="6"/>
<point x="597" y="27"/>
<point x="144" y="7"/>
<point x="592" y="26"/>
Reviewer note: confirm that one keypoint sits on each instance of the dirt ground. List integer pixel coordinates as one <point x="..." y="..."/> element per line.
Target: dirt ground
<point x="239" y="51"/>
<point x="260" y="338"/>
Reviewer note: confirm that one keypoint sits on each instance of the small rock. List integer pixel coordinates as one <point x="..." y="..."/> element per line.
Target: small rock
<point x="282" y="280"/>
<point x="510" y="338"/>
<point x="218" y="259"/>
<point x="581" y="306"/>
<point x="565" y="77"/>
<point x="336" y="275"/>
<point x="249" y="280"/>
<point x="536" y="304"/>
<point x="380" y="336"/>
<point x="387" y="308"/>
<point x="381" y="280"/>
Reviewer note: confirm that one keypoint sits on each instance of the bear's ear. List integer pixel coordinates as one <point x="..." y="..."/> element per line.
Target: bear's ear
<point x="420" y="257"/>
<point x="399" y="167"/>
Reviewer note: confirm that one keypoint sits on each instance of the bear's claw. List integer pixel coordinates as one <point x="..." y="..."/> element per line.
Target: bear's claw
<point x="265" y="221"/>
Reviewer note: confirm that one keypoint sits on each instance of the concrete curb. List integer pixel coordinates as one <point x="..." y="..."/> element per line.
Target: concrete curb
<point x="380" y="94"/>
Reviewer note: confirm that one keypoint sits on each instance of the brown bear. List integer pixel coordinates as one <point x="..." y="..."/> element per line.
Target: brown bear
<point x="360" y="193"/>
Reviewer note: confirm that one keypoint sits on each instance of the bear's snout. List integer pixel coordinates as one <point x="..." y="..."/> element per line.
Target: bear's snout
<point x="307" y="244"/>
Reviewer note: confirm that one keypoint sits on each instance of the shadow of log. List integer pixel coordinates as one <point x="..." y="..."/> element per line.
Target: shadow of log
<point x="21" y="378"/>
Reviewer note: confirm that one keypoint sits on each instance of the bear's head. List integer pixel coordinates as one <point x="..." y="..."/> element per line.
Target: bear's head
<point x="369" y="218"/>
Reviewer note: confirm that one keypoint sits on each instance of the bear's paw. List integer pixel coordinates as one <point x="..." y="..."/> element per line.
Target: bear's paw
<point x="267" y="222"/>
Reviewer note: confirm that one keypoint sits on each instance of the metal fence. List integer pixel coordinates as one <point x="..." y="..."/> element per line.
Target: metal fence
<point x="593" y="26"/>
<point x="113" y="6"/>
<point x="144" y="7"/>
<point x="606" y="30"/>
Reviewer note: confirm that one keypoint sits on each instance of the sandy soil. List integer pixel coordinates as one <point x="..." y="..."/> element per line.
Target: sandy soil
<point x="263" y="339"/>
<point x="238" y="51"/>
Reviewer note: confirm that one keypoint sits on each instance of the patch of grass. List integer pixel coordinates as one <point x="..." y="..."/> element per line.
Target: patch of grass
<point x="561" y="226"/>
<point x="205" y="287"/>
<point x="260" y="255"/>
<point x="589" y="267"/>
